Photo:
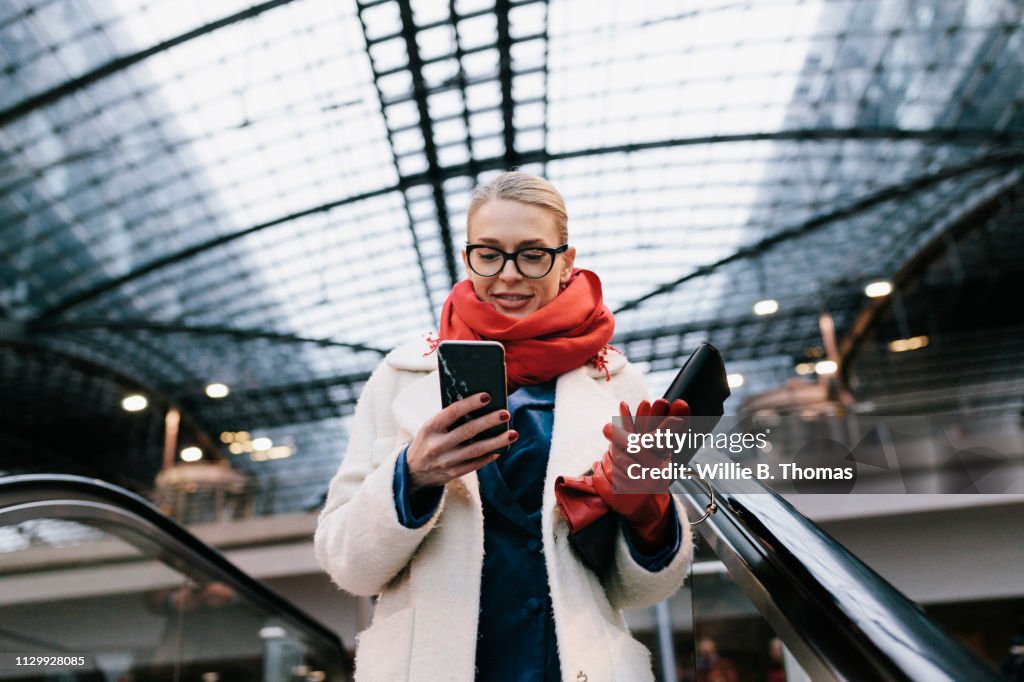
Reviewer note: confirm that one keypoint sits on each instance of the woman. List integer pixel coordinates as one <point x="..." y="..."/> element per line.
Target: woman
<point x="469" y="552"/>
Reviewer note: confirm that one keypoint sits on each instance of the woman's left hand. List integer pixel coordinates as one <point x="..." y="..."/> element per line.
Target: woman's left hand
<point x="647" y="513"/>
<point x="650" y="418"/>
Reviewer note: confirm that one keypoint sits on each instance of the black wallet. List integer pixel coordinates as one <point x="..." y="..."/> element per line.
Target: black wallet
<point x="702" y="383"/>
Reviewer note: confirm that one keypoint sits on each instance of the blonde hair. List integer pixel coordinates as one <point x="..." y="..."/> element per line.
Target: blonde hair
<point x="526" y="189"/>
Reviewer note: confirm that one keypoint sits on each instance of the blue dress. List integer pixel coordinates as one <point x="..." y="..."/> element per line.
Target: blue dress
<point x="516" y="635"/>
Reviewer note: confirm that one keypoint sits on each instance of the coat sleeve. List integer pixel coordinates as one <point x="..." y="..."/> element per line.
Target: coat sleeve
<point x="630" y="586"/>
<point x="359" y="539"/>
<point x="627" y="583"/>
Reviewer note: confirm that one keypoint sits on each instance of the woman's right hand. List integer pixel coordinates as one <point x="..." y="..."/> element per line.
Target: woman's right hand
<point x="437" y="455"/>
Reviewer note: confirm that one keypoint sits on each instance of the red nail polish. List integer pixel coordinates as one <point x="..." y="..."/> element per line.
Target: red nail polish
<point x="504" y="416"/>
<point x="485" y="398"/>
<point x="512" y="436"/>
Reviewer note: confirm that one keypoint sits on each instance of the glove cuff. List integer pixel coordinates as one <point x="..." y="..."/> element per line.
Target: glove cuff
<point x="579" y="502"/>
<point x="653" y="528"/>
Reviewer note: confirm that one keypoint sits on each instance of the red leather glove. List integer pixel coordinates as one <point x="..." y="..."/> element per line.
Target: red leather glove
<point x="585" y="499"/>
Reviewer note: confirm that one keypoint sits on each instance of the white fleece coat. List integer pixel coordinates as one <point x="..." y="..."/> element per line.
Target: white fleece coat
<point x="425" y="624"/>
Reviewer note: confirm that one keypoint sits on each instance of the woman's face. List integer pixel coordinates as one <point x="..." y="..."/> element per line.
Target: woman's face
<point x="510" y="226"/>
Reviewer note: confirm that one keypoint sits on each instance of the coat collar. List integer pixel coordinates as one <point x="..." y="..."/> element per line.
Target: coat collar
<point x="583" y="405"/>
<point x="417" y="402"/>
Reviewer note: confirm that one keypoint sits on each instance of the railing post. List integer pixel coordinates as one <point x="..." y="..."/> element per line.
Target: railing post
<point x="666" y="646"/>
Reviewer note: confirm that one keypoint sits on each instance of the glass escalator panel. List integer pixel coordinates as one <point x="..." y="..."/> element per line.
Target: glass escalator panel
<point x="76" y="580"/>
<point x="730" y="640"/>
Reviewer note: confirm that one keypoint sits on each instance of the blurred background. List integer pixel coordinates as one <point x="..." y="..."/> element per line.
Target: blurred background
<point x="217" y="217"/>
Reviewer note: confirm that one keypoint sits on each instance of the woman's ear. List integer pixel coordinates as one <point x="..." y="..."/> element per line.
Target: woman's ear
<point x="465" y="263"/>
<point x="568" y="258"/>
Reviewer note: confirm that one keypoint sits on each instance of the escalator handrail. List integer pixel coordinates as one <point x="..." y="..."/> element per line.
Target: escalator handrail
<point x="840" y="619"/>
<point x="54" y="488"/>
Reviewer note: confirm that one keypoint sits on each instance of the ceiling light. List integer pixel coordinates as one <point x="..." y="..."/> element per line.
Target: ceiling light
<point x="735" y="380"/>
<point x="134" y="403"/>
<point x="191" y="454"/>
<point x="805" y="368"/>
<point x="825" y="367"/>
<point x="217" y="391"/>
<point x="766" y="307"/>
<point x="280" y="452"/>
<point x="262" y="443"/>
<point x="878" y="289"/>
<point x="273" y="632"/>
<point x="913" y="343"/>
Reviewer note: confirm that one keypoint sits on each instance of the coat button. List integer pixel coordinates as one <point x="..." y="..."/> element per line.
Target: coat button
<point x="533" y="544"/>
<point x="533" y="604"/>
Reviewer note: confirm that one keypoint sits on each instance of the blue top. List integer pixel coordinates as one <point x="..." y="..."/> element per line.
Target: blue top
<point x="516" y="636"/>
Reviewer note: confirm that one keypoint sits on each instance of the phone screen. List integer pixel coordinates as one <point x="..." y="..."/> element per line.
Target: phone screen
<point x="469" y="367"/>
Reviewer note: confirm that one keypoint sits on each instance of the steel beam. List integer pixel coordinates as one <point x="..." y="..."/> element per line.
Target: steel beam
<point x="434" y="175"/>
<point x="501" y="9"/>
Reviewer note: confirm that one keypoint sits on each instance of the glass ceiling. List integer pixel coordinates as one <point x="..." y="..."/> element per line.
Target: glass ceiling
<point x="271" y="195"/>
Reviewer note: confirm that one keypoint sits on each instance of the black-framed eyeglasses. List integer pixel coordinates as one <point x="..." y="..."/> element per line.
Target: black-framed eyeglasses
<point x="533" y="262"/>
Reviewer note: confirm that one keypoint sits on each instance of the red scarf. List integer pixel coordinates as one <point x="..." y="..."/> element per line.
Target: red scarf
<point x="566" y="333"/>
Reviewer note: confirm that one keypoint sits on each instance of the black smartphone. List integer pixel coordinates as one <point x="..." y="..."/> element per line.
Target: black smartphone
<point x="702" y="382"/>
<point x="704" y="385"/>
<point x="469" y="367"/>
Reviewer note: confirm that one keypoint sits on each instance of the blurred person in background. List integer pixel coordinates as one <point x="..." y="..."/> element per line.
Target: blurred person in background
<point x="711" y="667"/>
<point x="777" y="663"/>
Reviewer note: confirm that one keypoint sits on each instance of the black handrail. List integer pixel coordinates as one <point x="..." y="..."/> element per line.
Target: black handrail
<point x="33" y="491"/>
<point x="839" y="618"/>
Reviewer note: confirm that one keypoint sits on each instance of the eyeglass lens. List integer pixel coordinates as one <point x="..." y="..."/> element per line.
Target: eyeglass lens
<point x="488" y="262"/>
